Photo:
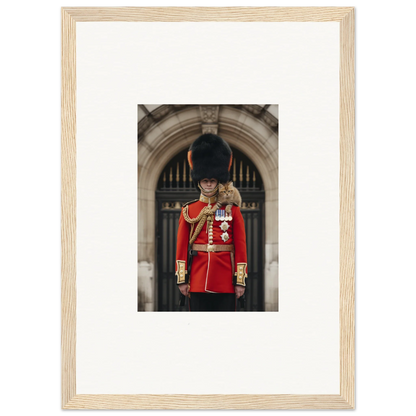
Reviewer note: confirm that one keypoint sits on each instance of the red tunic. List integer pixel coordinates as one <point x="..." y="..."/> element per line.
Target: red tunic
<point x="212" y="271"/>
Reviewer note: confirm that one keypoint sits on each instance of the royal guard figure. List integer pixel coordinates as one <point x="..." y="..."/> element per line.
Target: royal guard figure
<point x="211" y="255"/>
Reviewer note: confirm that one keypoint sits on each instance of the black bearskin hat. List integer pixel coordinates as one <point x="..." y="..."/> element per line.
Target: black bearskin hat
<point x="210" y="156"/>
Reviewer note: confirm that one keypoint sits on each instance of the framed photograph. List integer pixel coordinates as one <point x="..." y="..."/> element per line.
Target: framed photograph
<point x="165" y="135"/>
<point x="182" y="193"/>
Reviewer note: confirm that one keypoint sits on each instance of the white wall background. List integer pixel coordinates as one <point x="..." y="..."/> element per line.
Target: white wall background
<point x="108" y="324"/>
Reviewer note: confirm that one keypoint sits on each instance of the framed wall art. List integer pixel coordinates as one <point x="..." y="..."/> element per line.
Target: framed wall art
<point x="139" y="86"/>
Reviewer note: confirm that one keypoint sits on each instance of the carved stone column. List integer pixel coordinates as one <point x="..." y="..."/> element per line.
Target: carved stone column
<point x="209" y="118"/>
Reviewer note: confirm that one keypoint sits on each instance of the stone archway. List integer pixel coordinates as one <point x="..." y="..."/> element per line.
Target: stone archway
<point x="175" y="132"/>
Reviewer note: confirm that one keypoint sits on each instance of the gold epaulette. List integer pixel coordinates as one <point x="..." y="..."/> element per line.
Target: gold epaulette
<point x="190" y="202"/>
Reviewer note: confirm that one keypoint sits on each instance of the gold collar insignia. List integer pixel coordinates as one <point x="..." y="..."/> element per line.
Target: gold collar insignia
<point x="208" y="200"/>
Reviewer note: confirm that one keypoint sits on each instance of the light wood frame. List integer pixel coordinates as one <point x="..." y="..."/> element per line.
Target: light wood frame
<point x="343" y="15"/>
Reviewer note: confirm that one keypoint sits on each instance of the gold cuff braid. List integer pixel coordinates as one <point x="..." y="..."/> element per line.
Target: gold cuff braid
<point x="241" y="274"/>
<point x="181" y="272"/>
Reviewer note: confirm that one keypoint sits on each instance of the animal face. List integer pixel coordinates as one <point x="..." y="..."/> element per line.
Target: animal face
<point x="226" y="191"/>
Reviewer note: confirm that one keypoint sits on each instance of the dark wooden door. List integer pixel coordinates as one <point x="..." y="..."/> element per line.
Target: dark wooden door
<point x="175" y="188"/>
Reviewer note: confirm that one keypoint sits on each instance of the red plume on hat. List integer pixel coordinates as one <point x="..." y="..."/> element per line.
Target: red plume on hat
<point x="210" y="156"/>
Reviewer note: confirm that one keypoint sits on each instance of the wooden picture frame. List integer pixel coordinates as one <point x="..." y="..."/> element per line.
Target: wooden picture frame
<point x="346" y="398"/>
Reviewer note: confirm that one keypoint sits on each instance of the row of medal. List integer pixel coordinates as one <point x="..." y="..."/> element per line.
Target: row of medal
<point x="222" y="215"/>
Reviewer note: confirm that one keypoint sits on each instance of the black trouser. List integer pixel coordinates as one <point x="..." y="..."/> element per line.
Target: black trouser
<point x="212" y="302"/>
